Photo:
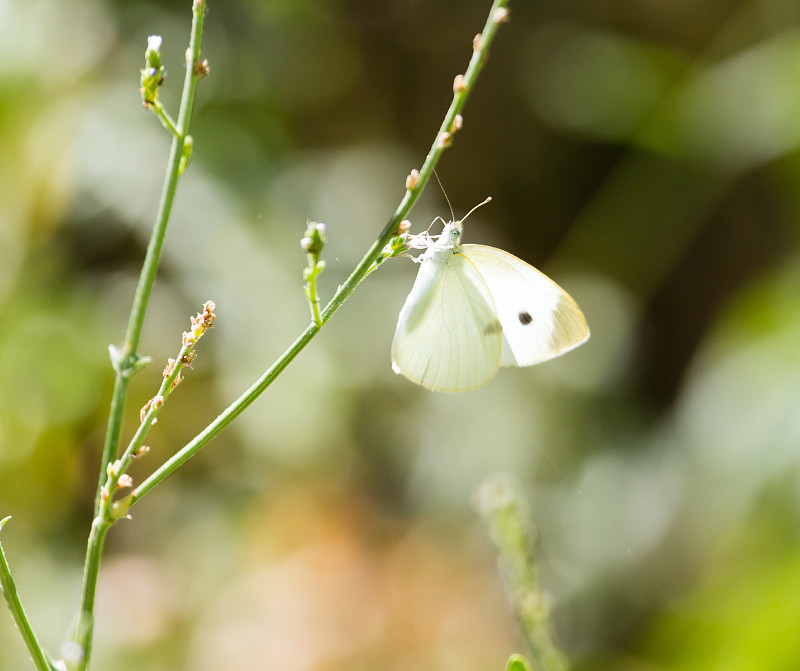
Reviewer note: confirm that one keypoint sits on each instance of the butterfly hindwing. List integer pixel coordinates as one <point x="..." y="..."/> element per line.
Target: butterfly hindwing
<point x="448" y="337"/>
<point x="538" y="318"/>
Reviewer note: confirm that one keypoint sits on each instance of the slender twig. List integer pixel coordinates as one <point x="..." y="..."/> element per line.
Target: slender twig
<point x="148" y="274"/>
<point x="510" y="528"/>
<point x="85" y="626"/>
<point x="166" y="119"/>
<point x="127" y="361"/>
<point x="38" y="655"/>
<point x="111" y="509"/>
<point x="463" y="86"/>
<point x="313" y="243"/>
<point x="225" y="418"/>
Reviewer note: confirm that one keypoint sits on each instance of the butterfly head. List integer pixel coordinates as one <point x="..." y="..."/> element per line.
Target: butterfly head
<point x="450" y="237"/>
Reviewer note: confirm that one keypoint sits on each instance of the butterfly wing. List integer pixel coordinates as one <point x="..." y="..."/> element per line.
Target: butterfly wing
<point x="448" y="337"/>
<point x="539" y="319"/>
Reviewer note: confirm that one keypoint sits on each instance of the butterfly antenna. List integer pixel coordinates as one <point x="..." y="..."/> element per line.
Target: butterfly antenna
<point x="476" y="207"/>
<point x="444" y="193"/>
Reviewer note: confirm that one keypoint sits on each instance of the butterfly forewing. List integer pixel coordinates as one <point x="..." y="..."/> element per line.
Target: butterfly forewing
<point x="448" y="337"/>
<point x="539" y="319"/>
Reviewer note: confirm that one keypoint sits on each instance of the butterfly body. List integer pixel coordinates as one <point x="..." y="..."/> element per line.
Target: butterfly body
<point x="474" y="308"/>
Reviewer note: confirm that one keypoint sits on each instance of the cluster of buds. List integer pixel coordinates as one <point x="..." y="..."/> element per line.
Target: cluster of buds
<point x="154" y="72"/>
<point x="314" y="240"/>
<point x="200" y="324"/>
<point x="313" y="243"/>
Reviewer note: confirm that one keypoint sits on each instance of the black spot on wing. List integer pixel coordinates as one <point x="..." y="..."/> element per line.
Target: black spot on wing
<point x="492" y="327"/>
<point x="525" y="318"/>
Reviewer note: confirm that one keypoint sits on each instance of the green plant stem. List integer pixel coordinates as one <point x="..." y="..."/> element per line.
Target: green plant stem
<point x="460" y="96"/>
<point x="313" y="297"/>
<point x="112" y="431"/>
<point x="171" y="379"/>
<point x="226" y="417"/>
<point x="128" y="359"/>
<point x="359" y="273"/>
<point x="500" y="504"/>
<point x="85" y="627"/>
<point x="9" y="589"/>
<point x="128" y="355"/>
<point x="150" y="266"/>
<point x="166" y="119"/>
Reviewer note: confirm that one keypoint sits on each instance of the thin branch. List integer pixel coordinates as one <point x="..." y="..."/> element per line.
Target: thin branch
<point x="111" y="509"/>
<point x="166" y="119"/>
<point x="463" y="86"/>
<point x="127" y="361"/>
<point x="38" y="655"/>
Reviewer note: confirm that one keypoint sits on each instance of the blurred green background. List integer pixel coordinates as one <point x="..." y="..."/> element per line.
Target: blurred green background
<point x="645" y="155"/>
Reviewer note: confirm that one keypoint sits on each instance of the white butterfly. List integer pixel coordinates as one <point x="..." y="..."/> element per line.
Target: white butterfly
<point x="475" y="308"/>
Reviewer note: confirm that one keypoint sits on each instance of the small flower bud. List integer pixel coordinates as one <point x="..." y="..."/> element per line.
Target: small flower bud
<point x="120" y="507"/>
<point x="500" y="15"/>
<point x="477" y="42"/>
<point x="178" y="379"/>
<point x="142" y="451"/>
<point x="72" y="652"/>
<point x="114" y="468"/>
<point x="202" y="68"/>
<point x="186" y="153"/>
<point x="152" y="76"/>
<point x="458" y="84"/>
<point x="445" y="139"/>
<point x="403" y="227"/>
<point x="458" y="123"/>
<point x="124" y="481"/>
<point x="154" y="402"/>
<point x="169" y="368"/>
<point x="153" y="53"/>
<point x="201" y="322"/>
<point x="314" y="239"/>
<point x="412" y="179"/>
